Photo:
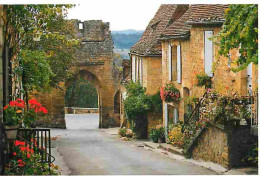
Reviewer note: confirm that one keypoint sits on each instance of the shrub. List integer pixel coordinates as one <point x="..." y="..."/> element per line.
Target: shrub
<point x="175" y="135"/>
<point x="137" y="105"/>
<point x="26" y="161"/>
<point x="203" y="79"/>
<point x="157" y="132"/>
<point x="122" y="132"/>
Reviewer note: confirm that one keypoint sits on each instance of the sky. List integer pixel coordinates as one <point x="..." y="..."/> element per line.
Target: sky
<point x="121" y="14"/>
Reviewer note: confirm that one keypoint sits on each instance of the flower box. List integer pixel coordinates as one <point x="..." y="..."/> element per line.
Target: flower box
<point x="11" y="131"/>
<point x="170" y="93"/>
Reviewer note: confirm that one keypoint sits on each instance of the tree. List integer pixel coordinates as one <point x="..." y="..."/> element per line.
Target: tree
<point x="41" y="44"/>
<point x="240" y="31"/>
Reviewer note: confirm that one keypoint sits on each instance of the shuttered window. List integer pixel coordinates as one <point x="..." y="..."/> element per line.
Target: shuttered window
<point x="141" y="70"/>
<point x="170" y="62"/>
<point x="137" y="69"/>
<point x="133" y="69"/>
<point x="208" y="52"/>
<point x="179" y="63"/>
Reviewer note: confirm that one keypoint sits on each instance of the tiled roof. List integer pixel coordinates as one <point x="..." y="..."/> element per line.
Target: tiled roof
<point x="207" y="13"/>
<point x="149" y="43"/>
<point x="179" y="28"/>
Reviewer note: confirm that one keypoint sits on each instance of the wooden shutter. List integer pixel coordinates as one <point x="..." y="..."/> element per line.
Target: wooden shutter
<point x="176" y="115"/>
<point x="170" y="62"/>
<point x="141" y="70"/>
<point x="179" y="64"/>
<point x="208" y="52"/>
<point x="133" y="69"/>
<point x="166" y="114"/>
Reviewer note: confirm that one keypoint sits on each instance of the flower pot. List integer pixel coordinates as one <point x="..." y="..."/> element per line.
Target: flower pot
<point x="11" y="131"/>
<point x="160" y="140"/>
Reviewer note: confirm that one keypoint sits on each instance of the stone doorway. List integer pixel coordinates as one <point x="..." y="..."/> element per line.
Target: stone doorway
<point x="95" y="63"/>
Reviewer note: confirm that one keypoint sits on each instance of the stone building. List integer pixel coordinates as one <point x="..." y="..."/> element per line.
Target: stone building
<point x="1" y="94"/>
<point x="146" y="56"/>
<point x="187" y="50"/>
<point x="94" y="64"/>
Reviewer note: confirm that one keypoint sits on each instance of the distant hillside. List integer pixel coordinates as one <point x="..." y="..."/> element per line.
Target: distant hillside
<point x="128" y="31"/>
<point x="125" y="39"/>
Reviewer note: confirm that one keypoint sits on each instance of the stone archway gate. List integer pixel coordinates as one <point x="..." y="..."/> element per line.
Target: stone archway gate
<point x="95" y="57"/>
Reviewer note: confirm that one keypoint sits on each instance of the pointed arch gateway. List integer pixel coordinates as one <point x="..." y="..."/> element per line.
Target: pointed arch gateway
<point x="94" y="64"/>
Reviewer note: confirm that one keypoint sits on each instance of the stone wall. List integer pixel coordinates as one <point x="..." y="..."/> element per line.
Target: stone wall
<point x="95" y="64"/>
<point x="76" y="110"/>
<point x="226" y="145"/>
<point x="2" y="140"/>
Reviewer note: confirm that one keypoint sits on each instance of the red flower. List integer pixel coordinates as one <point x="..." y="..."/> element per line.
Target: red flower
<point x="22" y="148"/>
<point x="43" y="109"/>
<point x="5" y="107"/>
<point x="14" y="153"/>
<point x="16" y="142"/>
<point x="12" y="103"/>
<point x="28" y="155"/>
<point x="21" y="163"/>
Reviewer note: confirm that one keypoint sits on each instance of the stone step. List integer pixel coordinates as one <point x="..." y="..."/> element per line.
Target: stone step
<point x="171" y="148"/>
<point x="168" y="147"/>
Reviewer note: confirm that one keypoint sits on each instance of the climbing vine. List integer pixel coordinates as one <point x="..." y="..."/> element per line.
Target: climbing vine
<point x="240" y="31"/>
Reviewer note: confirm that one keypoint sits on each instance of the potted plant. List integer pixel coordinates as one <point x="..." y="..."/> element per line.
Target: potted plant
<point x="17" y="115"/>
<point x="170" y="93"/>
<point x="203" y="80"/>
<point x="158" y="134"/>
<point x="13" y="113"/>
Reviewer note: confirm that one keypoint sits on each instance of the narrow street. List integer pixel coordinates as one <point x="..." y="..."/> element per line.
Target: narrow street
<point x="91" y="151"/>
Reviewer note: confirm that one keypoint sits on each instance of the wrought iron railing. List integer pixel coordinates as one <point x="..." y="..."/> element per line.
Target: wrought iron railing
<point x="43" y="142"/>
<point x="194" y="116"/>
<point x="37" y="139"/>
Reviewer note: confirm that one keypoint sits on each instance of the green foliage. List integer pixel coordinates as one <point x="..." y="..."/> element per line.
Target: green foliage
<point x="157" y="133"/>
<point x="203" y="80"/>
<point x="156" y="103"/>
<point x="122" y="132"/>
<point x="35" y="70"/>
<point x="137" y="105"/>
<point x="39" y="35"/>
<point x="134" y="89"/>
<point x="252" y="156"/>
<point x="240" y="31"/>
<point x="81" y="94"/>
<point x="26" y="161"/>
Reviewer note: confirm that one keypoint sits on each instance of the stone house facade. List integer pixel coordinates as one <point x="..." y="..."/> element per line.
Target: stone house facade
<point x="146" y="57"/>
<point x="188" y="50"/>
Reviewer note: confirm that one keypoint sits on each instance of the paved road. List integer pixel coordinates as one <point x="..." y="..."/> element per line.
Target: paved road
<point x="88" y="150"/>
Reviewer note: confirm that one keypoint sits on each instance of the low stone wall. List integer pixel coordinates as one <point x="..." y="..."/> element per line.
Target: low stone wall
<point x="76" y="110"/>
<point x="223" y="145"/>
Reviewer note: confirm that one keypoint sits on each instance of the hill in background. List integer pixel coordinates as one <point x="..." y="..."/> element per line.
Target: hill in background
<point x="125" y="39"/>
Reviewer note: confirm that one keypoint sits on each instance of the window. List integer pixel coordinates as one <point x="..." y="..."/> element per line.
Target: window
<point x="141" y="70"/>
<point x="80" y="25"/>
<point x="179" y="64"/>
<point x="208" y="52"/>
<point x="170" y="62"/>
<point x="133" y="69"/>
<point x="137" y="69"/>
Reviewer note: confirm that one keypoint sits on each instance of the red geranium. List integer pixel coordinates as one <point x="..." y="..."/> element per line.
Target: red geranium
<point x="21" y="163"/>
